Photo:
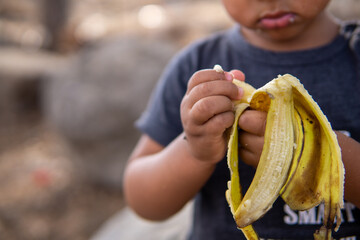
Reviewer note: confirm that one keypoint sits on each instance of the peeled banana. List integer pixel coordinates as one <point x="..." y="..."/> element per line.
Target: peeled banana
<point x="300" y="161"/>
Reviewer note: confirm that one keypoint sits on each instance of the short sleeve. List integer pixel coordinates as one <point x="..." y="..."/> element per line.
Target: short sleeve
<point x="161" y="119"/>
<point x="351" y="31"/>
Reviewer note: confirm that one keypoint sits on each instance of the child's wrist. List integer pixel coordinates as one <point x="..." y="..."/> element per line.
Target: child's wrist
<point x="201" y="162"/>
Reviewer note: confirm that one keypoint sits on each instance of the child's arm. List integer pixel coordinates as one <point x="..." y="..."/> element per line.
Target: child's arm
<point x="251" y="141"/>
<point x="350" y="152"/>
<point x="159" y="181"/>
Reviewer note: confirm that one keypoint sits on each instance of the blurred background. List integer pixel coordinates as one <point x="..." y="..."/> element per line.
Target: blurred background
<point x="74" y="76"/>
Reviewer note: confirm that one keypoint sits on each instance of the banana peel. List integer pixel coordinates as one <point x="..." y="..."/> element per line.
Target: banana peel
<point x="300" y="161"/>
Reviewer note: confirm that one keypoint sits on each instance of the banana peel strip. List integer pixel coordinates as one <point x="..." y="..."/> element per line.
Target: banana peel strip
<point x="294" y="119"/>
<point x="233" y="194"/>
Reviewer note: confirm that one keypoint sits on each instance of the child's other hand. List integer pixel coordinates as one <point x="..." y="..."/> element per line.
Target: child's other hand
<point x="251" y="136"/>
<point x="207" y="111"/>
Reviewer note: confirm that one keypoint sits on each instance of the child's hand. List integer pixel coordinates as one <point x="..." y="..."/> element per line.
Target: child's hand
<point x="207" y="111"/>
<point x="251" y="136"/>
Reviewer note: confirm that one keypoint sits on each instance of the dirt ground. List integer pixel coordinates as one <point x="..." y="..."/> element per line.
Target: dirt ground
<point x="43" y="194"/>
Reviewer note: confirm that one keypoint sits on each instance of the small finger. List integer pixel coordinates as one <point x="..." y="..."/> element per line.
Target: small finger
<point x="253" y="121"/>
<point x="206" y="76"/>
<point x="251" y="142"/>
<point x="218" y="124"/>
<point x="248" y="157"/>
<point x="214" y="88"/>
<point x="208" y="107"/>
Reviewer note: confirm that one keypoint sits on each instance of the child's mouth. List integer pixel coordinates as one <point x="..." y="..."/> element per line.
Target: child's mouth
<point x="277" y="20"/>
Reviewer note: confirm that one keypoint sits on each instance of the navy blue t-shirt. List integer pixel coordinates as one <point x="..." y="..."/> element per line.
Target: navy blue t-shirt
<point x="330" y="73"/>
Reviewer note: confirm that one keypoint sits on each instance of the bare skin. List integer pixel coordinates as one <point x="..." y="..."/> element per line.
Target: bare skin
<point x="310" y="26"/>
<point x="160" y="180"/>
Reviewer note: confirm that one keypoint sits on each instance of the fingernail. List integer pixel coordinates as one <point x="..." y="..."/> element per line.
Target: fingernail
<point x="229" y="76"/>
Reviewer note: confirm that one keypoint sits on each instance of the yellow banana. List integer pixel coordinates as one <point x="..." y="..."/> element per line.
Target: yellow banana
<point x="300" y="161"/>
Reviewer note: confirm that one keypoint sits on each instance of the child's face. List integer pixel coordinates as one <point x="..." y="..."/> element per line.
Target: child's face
<point x="278" y="20"/>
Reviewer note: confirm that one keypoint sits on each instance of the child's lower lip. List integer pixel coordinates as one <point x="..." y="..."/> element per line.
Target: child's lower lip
<point x="277" y="22"/>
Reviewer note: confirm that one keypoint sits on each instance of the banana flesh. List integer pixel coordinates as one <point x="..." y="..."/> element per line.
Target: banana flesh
<point x="300" y="161"/>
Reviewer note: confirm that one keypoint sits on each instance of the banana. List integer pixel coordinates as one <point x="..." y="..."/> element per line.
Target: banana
<point x="300" y="161"/>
